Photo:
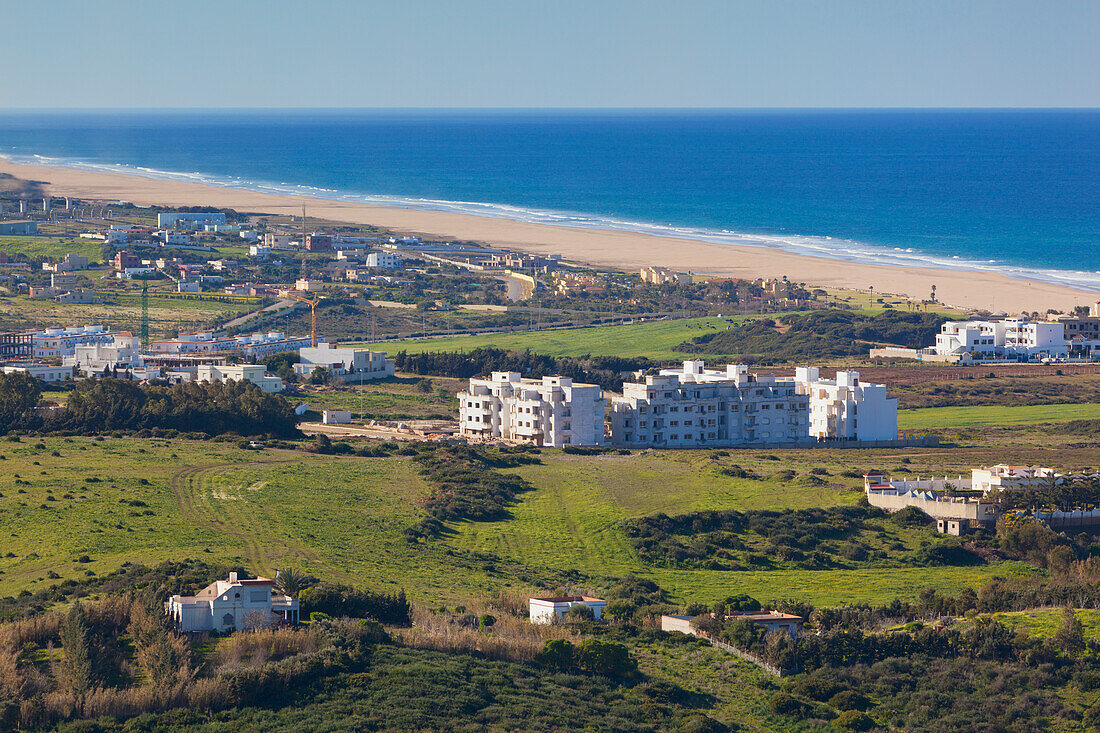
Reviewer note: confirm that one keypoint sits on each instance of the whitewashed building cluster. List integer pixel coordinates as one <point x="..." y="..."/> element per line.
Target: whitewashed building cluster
<point x="696" y="407"/>
<point x="552" y="411"/>
<point x="691" y="407"/>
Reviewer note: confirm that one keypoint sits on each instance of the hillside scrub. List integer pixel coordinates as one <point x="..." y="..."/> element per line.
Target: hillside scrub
<point x="465" y="485"/>
<point x="842" y="536"/>
<point x="820" y="334"/>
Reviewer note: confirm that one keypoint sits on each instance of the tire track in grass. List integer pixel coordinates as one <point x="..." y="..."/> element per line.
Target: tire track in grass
<point x="194" y="506"/>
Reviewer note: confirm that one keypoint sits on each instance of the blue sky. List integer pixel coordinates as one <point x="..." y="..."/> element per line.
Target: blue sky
<point x="552" y="53"/>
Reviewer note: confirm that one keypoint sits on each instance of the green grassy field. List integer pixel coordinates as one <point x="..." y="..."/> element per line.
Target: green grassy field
<point x="396" y="398"/>
<point x="965" y="417"/>
<point x="148" y="500"/>
<point x="653" y="339"/>
<point x="570" y="522"/>
<point x="52" y="247"/>
<point x="1044" y="622"/>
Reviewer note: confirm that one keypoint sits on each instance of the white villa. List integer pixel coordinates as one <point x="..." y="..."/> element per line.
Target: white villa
<point x="232" y="605"/>
<point x="346" y="364"/>
<point x="551" y="610"/>
<point x="254" y="373"/>
<point x="1008" y="337"/>
<point x="552" y="411"/>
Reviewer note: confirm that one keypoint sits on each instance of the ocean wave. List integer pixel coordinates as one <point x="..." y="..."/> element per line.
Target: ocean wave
<point x="823" y="246"/>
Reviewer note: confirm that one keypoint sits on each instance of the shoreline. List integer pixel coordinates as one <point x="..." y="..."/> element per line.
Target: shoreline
<point x="627" y="250"/>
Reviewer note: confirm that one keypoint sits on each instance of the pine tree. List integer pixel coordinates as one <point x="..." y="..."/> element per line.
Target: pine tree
<point x="75" y="639"/>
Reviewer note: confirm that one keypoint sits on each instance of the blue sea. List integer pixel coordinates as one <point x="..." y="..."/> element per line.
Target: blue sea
<point x="1014" y="191"/>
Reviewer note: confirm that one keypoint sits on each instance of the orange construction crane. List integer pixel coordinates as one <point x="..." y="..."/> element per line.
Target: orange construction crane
<point x="312" y="303"/>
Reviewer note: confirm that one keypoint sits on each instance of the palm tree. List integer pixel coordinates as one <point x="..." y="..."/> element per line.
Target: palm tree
<point x="288" y="581"/>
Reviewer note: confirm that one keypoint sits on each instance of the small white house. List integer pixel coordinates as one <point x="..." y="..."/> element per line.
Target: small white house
<point x="551" y="610"/>
<point x="336" y="417"/>
<point x="232" y="605"/>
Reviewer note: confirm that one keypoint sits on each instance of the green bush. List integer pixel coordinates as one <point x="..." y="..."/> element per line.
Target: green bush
<point x="853" y="720"/>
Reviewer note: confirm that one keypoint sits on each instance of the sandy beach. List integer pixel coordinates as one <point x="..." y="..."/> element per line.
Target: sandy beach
<point x="626" y="250"/>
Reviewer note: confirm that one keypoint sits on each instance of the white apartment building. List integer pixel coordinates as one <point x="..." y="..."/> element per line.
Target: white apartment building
<point x="60" y="342"/>
<point x="232" y="605"/>
<point x="250" y="346"/>
<point x="1008" y="337"/>
<point x="552" y="411"/>
<point x="254" y="373"/>
<point x="188" y="220"/>
<point x="305" y="285"/>
<point x="362" y="363"/>
<point x="695" y="407"/>
<point x="846" y="408"/>
<point x="383" y="260"/>
<point x="44" y="372"/>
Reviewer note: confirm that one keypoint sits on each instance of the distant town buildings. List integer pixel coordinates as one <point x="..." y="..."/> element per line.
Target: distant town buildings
<point x="252" y="346"/>
<point x="69" y="263"/>
<point x="661" y="276"/>
<point x="188" y="220"/>
<point x="690" y="407"/>
<point x="552" y="411"/>
<point x="1008" y="337"/>
<point x="56" y="343"/>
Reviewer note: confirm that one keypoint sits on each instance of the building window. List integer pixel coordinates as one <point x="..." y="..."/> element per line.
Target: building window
<point x="227" y="619"/>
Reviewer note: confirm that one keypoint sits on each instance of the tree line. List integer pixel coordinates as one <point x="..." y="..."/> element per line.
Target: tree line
<point x="605" y="371"/>
<point x="99" y="405"/>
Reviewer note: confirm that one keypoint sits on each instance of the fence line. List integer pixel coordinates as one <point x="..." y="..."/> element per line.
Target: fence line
<point x="747" y="656"/>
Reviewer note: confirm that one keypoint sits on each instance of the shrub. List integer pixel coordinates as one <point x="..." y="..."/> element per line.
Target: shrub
<point x="816" y="688"/>
<point x="784" y="703"/>
<point x="853" y="720"/>
<point x="608" y="658"/>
